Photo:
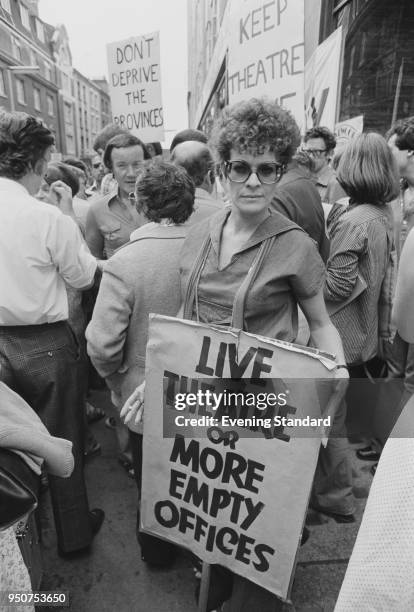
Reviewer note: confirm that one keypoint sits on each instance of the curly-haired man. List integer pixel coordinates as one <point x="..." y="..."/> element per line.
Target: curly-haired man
<point x="320" y="144"/>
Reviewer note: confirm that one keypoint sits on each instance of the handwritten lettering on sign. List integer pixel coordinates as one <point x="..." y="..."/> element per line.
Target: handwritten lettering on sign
<point x="266" y="53"/>
<point x="135" y="86"/>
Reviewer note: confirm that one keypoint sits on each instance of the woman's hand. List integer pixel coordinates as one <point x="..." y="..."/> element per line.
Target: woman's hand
<point x="133" y="409"/>
<point x="342" y="380"/>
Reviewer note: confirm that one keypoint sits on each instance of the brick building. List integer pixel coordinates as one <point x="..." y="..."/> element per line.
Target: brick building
<point x="50" y="92"/>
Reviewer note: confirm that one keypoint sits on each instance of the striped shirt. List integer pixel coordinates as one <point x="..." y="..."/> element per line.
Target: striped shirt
<point x="359" y="246"/>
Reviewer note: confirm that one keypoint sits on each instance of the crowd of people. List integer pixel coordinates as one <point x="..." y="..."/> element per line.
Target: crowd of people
<point x="250" y="228"/>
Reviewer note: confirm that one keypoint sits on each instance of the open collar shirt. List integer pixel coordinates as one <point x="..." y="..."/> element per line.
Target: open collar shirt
<point x="40" y="250"/>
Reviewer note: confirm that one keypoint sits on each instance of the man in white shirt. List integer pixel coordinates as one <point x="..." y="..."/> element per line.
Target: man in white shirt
<point x="40" y="249"/>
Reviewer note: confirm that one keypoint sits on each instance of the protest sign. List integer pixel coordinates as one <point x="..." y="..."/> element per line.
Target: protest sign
<point x="135" y="86"/>
<point x="232" y="490"/>
<point x="322" y="73"/>
<point x="266" y="53"/>
<point x="347" y="130"/>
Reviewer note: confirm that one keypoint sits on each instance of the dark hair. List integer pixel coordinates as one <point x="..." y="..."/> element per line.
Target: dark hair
<point x="106" y="134"/>
<point x="322" y="132"/>
<point x="197" y="163"/>
<point x="254" y="125"/>
<point x="23" y="142"/>
<point x="122" y="141"/>
<point x="404" y="132"/>
<point x="303" y="158"/>
<point x="76" y="163"/>
<point x="367" y="171"/>
<point x="57" y="171"/>
<point x="165" y="191"/>
<point x="156" y="146"/>
<point x="186" y="135"/>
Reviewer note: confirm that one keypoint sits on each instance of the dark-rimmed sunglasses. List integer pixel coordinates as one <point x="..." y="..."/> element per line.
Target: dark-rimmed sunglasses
<point x="239" y="171"/>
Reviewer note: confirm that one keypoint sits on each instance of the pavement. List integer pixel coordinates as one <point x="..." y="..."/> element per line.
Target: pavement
<point x="113" y="577"/>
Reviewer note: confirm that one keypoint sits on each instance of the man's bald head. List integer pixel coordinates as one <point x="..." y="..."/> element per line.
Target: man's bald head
<point x="197" y="159"/>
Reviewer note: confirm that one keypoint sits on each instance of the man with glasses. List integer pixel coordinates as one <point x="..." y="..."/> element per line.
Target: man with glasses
<point x="319" y="142"/>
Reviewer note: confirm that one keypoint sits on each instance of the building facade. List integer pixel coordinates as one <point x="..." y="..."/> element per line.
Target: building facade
<point x="24" y="41"/>
<point x="377" y="64"/>
<point x="37" y="77"/>
<point x="378" y="58"/>
<point x="92" y="111"/>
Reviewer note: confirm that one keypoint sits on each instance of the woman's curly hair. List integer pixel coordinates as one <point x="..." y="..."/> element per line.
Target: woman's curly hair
<point x="23" y="142"/>
<point x="254" y="126"/>
<point x="165" y="191"/>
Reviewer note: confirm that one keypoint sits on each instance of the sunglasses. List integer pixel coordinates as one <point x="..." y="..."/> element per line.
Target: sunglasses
<point x="239" y="171"/>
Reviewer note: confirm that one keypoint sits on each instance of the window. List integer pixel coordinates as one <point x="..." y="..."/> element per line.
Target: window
<point x="65" y="82"/>
<point x="6" y="5"/>
<point x="24" y="15"/>
<point x="68" y="113"/>
<point x="16" y="48"/>
<point x="33" y="58"/>
<point x="36" y="98"/>
<point x="49" y="105"/>
<point x="21" y="94"/>
<point x="40" y="31"/>
<point x="48" y="69"/>
<point x="2" y="86"/>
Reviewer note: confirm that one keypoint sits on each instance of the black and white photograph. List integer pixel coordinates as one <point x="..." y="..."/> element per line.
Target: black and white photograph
<point x="206" y="305"/>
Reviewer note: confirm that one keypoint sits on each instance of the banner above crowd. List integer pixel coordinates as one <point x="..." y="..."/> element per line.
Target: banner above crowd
<point x="322" y="73"/>
<point x="234" y="491"/>
<point x="266" y="53"/>
<point x="135" y="86"/>
<point x="348" y="130"/>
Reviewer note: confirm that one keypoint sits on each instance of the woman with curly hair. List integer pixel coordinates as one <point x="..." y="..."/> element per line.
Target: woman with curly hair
<point x="254" y="141"/>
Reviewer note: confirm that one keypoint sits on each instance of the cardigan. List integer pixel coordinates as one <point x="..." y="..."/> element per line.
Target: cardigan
<point x="142" y="277"/>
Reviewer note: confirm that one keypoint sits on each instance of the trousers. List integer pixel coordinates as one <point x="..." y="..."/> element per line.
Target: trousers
<point x="41" y="364"/>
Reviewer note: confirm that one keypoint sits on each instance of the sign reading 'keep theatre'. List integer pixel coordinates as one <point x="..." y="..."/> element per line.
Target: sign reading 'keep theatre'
<point x="235" y="495"/>
<point x="135" y="86"/>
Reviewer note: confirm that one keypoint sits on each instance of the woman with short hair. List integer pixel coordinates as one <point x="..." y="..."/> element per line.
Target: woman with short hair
<point x="141" y="277"/>
<point x="361" y="241"/>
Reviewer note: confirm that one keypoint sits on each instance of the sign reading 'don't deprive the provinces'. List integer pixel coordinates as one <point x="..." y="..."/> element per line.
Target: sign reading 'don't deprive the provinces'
<point x="266" y="53"/>
<point x="135" y="86"/>
<point x="221" y="481"/>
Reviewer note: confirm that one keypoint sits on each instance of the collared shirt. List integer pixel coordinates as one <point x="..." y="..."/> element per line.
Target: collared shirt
<point x="109" y="225"/>
<point x="322" y="181"/>
<point x="293" y="270"/>
<point x="40" y="250"/>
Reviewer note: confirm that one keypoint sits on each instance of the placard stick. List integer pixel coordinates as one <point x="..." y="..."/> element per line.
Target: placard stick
<point x="248" y="596"/>
<point x="204" y="587"/>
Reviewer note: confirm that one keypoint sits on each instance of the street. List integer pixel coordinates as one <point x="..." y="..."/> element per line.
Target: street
<point x="113" y="577"/>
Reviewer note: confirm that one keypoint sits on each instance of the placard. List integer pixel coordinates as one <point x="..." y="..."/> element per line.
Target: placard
<point x="234" y="493"/>
<point x="266" y="53"/>
<point x="135" y="86"/>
